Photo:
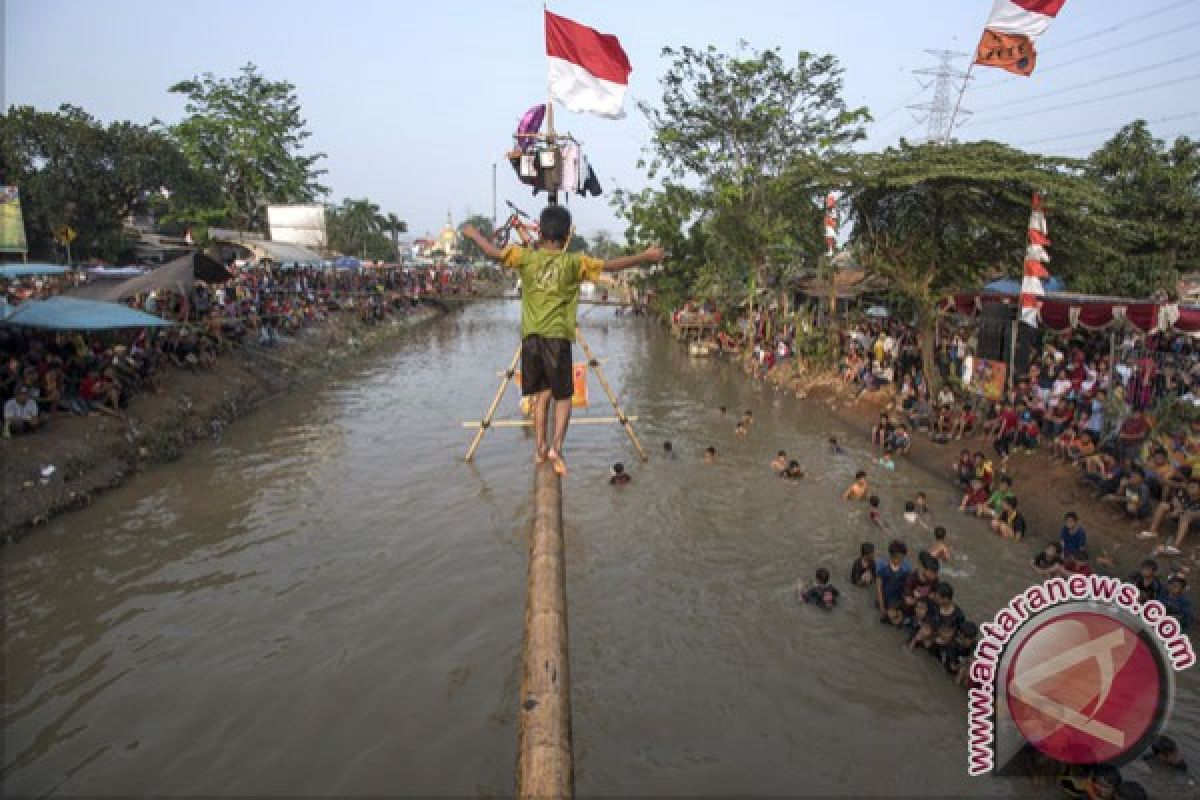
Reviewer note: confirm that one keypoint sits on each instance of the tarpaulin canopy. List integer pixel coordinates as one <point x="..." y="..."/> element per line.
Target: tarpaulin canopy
<point x="178" y="276"/>
<point x="10" y="271"/>
<point x="77" y="314"/>
<point x="346" y="262"/>
<point x="1013" y="286"/>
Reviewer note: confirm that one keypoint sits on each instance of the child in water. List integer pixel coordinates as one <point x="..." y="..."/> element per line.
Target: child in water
<point x="779" y="463"/>
<point x="940" y="550"/>
<point x="835" y="448"/>
<point x="740" y="429"/>
<point x="619" y="477"/>
<point x="862" y="571"/>
<point x="792" y="472"/>
<point x="822" y="594"/>
<point x="710" y="455"/>
<point x="857" y="490"/>
<point x="876" y="515"/>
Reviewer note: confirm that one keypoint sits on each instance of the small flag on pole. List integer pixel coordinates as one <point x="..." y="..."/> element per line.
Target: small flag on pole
<point x="1008" y="37"/>
<point x="589" y="71"/>
<point x="830" y="224"/>
<point x="1035" y="260"/>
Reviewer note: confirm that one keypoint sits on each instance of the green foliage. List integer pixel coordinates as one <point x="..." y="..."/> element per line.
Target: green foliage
<point x="933" y="218"/>
<point x="1154" y="195"/>
<point x="483" y="224"/>
<point x="604" y="246"/>
<point x="248" y="132"/>
<point x="73" y="170"/>
<point x="357" y="228"/>
<point x="746" y="147"/>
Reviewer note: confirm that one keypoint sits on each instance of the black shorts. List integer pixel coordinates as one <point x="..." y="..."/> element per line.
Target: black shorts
<point x="546" y="364"/>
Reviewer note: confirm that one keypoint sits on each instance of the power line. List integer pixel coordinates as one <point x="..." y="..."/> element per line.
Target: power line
<point x="1076" y="104"/>
<point x="901" y="104"/>
<point x="1110" y="129"/>
<point x="1062" y="65"/>
<point x="1095" y="81"/>
<point x="1087" y="37"/>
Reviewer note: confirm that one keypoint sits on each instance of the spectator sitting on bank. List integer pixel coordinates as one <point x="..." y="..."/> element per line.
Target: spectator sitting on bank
<point x="1134" y="498"/>
<point x="21" y="413"/>
<point x="1175" y="600"/>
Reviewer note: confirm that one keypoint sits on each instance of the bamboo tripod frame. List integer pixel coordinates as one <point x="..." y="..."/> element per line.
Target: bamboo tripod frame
<point x="594" y="365"/>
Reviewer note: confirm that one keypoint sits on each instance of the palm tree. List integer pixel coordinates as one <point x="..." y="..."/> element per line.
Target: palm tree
<point x="361" y="220"/>
<point x="397" y="226"/>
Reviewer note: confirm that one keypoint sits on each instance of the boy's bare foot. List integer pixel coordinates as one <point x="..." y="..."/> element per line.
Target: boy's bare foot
<point x="557" y="462"/>
<point x="539" y="455"/>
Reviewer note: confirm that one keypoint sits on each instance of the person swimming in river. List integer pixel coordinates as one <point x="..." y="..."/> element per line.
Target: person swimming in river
<point x="792" y="472"/>
<point x="862" y="571"/>
<point x="550" y="280"/>
<point x="876" y="514"/>
<point x="859" y="489"/>
<point x="710" y="455"/>
<point x="821" y="594"/>
<point x="835" y="448"/>
<point x="619" y="477"/>
<point x="739" y="430"/>
<point x="886" y="461"/>
<point x="940" y="550"/>
<point x="780" y="462"/>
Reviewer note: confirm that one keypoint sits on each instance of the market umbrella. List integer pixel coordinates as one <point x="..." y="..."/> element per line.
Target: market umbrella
<point x="346" y="262"/>
<point x="11" y="271"/>
<point x="77" y="314"/>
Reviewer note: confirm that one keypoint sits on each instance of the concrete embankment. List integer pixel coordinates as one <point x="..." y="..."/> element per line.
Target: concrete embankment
<point x="66" y="464"/>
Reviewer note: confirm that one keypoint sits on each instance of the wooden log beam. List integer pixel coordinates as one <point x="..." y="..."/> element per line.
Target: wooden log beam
<point x="528" y="423"/>
<point x="545" y="765"/>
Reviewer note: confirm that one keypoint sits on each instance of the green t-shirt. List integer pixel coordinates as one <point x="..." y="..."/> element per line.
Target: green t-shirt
<point x="550" y="288"/>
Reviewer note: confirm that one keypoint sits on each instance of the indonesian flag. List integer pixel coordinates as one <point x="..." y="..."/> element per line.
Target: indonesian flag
<point x="589" y="70"/>
<point x="1035" y="260"/>
<point x="1008" y="37"/>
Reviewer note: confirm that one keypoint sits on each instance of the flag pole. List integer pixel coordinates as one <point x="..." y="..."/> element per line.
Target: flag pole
<point x="958" y="103"/>
<point x="550" y="132"/>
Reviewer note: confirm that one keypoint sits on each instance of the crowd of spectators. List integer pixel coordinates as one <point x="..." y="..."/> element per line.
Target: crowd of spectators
<point x="46" y="373"/>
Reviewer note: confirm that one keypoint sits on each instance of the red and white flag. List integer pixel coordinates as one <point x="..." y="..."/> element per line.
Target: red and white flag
<point x="1035" y="260"/>
<point x="1008" y="37"/>
<point x="589" y="70"/>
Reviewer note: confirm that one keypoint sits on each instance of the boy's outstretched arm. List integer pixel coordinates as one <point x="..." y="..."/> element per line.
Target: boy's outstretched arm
<point x="651" y="255"/>
<point x="490" y="250"/>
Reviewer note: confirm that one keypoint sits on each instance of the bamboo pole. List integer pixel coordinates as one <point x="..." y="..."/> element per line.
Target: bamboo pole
<point x="545" y="765"/>
<point x="612" y="397"/>
<point x="491" y="412"/>
<point x="528" y="423"/>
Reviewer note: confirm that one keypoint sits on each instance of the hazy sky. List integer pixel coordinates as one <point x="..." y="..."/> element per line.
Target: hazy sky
<point x="414" y="101"/>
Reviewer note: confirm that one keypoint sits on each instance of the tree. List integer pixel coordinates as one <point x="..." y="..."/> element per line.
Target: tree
<point x="249" y="133"/>
<point x="395" y="226"/>
<point x="483" y="224"/>
<point x="745" y="146"/>
<point x="1154" y="191"/>
<point x="357" y="227"/>
<point x="72" y="170"/>
<point x="933" y="218"/>
<point x="604" y="246"/>
<point x="578" y="244"/>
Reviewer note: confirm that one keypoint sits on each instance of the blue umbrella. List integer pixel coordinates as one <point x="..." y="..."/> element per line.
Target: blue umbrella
<point x="11" y="271"/>
<point x="77" y="314"/>
<point x="346" y="262"/>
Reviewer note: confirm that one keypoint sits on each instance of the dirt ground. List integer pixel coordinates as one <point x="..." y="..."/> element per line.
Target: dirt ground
<point x="93" y="453"/>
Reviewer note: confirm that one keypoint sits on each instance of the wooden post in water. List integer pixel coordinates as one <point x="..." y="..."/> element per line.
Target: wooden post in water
<point x="545" y="765"/>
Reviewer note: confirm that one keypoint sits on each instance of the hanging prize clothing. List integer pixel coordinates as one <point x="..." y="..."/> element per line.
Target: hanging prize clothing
<point x="571" y="153"/>
<point x="591" y="184"/>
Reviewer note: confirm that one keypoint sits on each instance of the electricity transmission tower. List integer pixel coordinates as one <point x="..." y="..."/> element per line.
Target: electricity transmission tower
<point x="948" y="82"/>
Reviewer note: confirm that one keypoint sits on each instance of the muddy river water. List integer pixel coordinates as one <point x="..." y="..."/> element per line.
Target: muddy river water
<point x="329" y="601"/>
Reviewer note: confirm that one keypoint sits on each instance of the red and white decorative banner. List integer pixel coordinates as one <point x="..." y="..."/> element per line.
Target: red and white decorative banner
<point x="1008" y="37"/>
<point x="1036" y="257"/>
<point x="830" y="224"/>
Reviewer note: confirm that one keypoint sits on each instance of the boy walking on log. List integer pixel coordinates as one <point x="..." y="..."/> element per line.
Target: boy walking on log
<point x="550" y="279"/>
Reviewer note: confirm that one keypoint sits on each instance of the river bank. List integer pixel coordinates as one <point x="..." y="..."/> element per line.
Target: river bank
<point x="91" y="454"/>
<point x="1047" y="489"/>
